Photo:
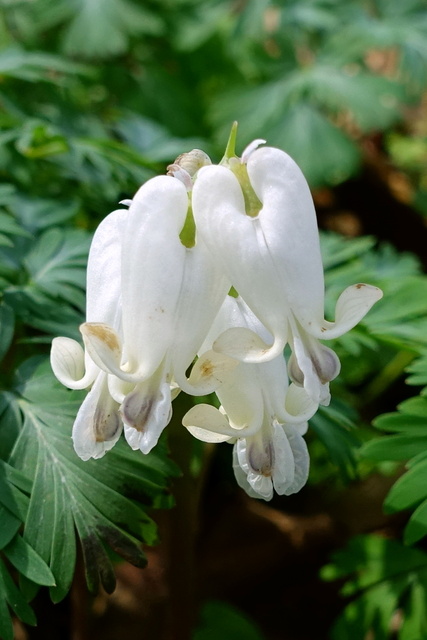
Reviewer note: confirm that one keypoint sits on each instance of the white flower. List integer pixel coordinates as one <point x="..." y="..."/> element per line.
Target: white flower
<point x="170" y="294"/>
<point x="265" y="235"/>
<point x="264" y="416"/>
<point x="98" y="424"/>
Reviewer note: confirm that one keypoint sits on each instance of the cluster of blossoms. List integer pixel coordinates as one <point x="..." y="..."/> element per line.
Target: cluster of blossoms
<point x="198" y="287"/>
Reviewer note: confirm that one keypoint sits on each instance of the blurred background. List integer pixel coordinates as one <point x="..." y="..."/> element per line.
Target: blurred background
<point x="97" y="96"/>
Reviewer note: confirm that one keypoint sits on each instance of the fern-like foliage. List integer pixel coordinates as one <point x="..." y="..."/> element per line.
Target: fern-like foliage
<point x="386" y="589"/>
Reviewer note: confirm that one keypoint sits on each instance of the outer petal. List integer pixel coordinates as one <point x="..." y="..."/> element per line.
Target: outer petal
<point x="70" y="365"/>
<point x="103" y="299"/>
<point x="152" y="272"/>
<point x="289" y="226"/>
<point x="98" y="425"/>
<point x="206" y="418"/>
<point x="237" y="241"/>
<point x="67" y="360"/>
<point x="352" y="305"/>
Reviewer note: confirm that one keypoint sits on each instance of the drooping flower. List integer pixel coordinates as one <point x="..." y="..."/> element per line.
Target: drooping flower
<point x="170" y="294"/>
<point x="98" y="424"/>
<point x="257" y="217"/>
<point x="260" y="413"/>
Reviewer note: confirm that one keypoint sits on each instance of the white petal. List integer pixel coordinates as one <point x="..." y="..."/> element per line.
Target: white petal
<point x="312" y="365"/>
<point x="67" y="360"/>
<point x="98" y="424"/>
<point x="252" y="146"/>
<point x="299" y="407"/>
<point x="289" y="226"/>
<point x="237" y="241"/>
<point x="240" y="475"/>
<point x="104" y="270"/>
<point x="145" y="412"/>
<point x="301" y="459"/>
<point x="104" y="346"/>
<point x="152" y="272"/>
<point x="205" y="417"/>
<point x="255" y="484"/>
<point x="209" y="371"/>
<point x="284" y="467"/>
<point x="352" y="305"/>
<point x="207" y="436"/>
<point x="262" y="485"/>
<point x="245" y="345"/>
<point x="203" y="290"/>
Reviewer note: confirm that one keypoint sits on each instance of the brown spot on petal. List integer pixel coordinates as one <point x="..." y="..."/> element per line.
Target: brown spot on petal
<point x="207" y="369"/>
<point x="105" y="425"/>
<point x="360" y="285"/>
<point x="326" y="364"/>
<point x="323" y="329"/>
<point x="262" y="460"/>
<point x="103" y="333"/>
<point x="136" y="410"/>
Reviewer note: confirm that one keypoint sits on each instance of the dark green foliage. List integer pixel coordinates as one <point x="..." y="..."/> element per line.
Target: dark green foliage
<point x="387" y="588"/>
<point x="96" y="96"/>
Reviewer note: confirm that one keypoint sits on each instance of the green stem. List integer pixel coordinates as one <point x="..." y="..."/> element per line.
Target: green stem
<point x="391" y="372"/>
<point x="230" y="150"/>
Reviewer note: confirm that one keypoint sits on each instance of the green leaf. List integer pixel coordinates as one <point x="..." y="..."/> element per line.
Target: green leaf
<point x="413" y="425"/>
<point x="10" y="525"/>
<point x="415" y="622"/>
<point x="95" y="498"/>
<point x="36" y="214"/>
<point x="334" y="428"/>
<point x="14" y="597"/>
<point x="399" y="447"/>
<point x="57" y="264"/>
<point x="7" y="326"/>
<point x="382" y="577"/>
<point x="14" y="488"/>
<point x="35" y="66"/>
<point x="28" y="562"/>
<point x="116" y="21"/>
<point x="302" y="130"/>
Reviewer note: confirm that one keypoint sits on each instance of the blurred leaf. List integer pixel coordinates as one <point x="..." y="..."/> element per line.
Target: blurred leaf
<point x="36" y="214"/>
<point x="57" y="264"/>
<point x="219" y="620"/>
<point x="10" y="595"/>
<point x="155" y="141"/>
<point x="115" y="20"/>
<point x="302" y="132"/>
<point x="334" y="427"/>
<point x="409" y="424"/>
<point x="383" y="577"/>
<point x="7" y="325"/>
<point x="36" y="66"/>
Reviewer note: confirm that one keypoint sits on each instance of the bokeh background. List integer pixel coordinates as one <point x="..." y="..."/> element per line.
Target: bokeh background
<point x="97" y="96"/>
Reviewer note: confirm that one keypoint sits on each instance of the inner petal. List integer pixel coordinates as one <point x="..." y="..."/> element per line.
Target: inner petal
<point x="146" y="411"/>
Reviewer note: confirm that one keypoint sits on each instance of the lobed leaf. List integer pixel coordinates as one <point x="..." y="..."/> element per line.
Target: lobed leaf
<point x="89" y="497"/>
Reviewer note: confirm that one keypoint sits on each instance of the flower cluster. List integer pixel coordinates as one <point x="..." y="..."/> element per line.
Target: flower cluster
<point x="198" y="286"/>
